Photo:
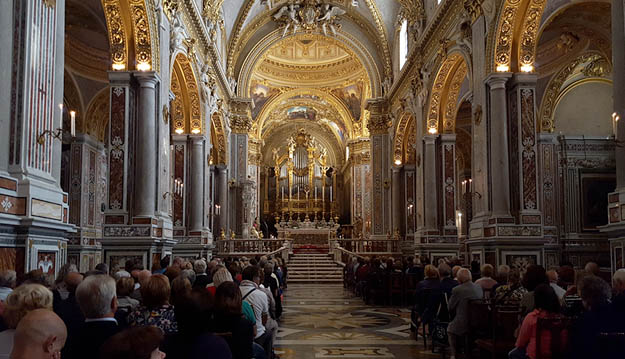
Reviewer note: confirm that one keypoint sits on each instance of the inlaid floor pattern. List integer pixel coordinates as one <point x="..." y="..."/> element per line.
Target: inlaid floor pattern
<point x="326" y="321"/>
<point x="314" y="268"/>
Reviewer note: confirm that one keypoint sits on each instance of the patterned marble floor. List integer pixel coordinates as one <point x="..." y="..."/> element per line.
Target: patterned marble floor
<point x="326" y="321"/>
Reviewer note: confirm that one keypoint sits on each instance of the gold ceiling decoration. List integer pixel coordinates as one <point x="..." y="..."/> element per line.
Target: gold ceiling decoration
<point x="400" y="134"/>
<point x="306" y="50"/>
<point x="550" y="98"/>
<point x="413" y="11"/>
<point x="118" y="35"/>
<point x="141" y="32"/>
<point x="444" y="94"/>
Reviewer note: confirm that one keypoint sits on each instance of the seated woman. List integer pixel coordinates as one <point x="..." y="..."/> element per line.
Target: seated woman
<point x="546" y="305"/>
<point x="134" y="343"/>
<point x="229" y="318"/>
<point x="511" y="293"/>
<point x="156" y="310"/>
<point x="428" y="294"/>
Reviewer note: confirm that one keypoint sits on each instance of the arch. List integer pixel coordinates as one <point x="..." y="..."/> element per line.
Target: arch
<point x="401" y="134"/>
<point x="333" y="101"/>
<point x="516" y="35"/>
<point x="97" y="115"/>
<point x="131" y="30"/>
<point x="241" y="34"/>
<point x="117" y="24"/>
<point x="218" y="139"/>
<point x="186" y="110"/>
<point x="554" y="88"/>
<point x="349" y="44"/>
<point x="444" y="94"/>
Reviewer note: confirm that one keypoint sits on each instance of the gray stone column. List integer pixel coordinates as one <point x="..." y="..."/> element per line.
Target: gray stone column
<point x="429" y="183"/>
<point x="221" y="198"/>
<point x="196" y="185"/>
<point x="380" y="166"/>
<point x="145" y="169"/>
<point x="618" y="88"/>
<point x="398" y="200"/>
<point x="498" y="145"/>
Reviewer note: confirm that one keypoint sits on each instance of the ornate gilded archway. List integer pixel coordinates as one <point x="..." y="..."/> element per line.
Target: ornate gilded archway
<point x="186" y="108"/>
<point x="442" y="108"/>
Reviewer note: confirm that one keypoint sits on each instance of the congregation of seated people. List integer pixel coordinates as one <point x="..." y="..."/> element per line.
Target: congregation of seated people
<point x="482" y="312"/>
<point x="224" y="308"/>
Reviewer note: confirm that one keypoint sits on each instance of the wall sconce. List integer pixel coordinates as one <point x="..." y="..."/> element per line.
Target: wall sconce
<point x="615" y="119"/>
<point x="410" y="209"/>
<point x="478" y="194"/>
<point x="467" y="185"/>
<point x="527" y="68"/>
<point x="119" y="66"/>
<point x="58" y="133"/>
<point x="195" y="131"/>
<point x="179" y="131"/>
<point x="398" y="162"/>
<point x="178" y="189"/>
<point x="217" y="209"/>
<point x="432" y="130"/>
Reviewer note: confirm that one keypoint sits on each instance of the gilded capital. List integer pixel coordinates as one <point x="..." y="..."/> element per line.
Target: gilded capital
<point x="379" y="116"/>
<point x="473" y="8"/>
<point x="241" y="115"/>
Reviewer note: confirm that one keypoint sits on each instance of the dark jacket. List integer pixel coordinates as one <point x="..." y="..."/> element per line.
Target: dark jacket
<point x="206" y="345"/>
<point x="240" y="342"/>
<point x="90" y="338"/>
<point x="201" y="281"/>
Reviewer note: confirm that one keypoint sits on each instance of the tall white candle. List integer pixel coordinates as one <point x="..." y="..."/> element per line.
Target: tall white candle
<point x="330" y="194"/>
<point x="72" y="115"/>
<point x="323" y="194"/>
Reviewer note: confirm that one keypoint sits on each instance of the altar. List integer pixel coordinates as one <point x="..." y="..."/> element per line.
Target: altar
<point x="308" y="234"/>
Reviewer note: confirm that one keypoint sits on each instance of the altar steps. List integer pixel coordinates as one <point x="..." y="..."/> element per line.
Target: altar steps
<point x="314" y="268"/>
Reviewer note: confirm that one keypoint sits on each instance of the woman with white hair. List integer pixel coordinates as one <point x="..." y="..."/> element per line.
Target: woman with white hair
<point x="20" y="302"/>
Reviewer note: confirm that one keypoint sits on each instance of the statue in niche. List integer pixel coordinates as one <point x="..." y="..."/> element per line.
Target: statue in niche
<point x="232" y="83"/>
<point x="386" y="85"/>
<point x="178" y="35"/>
<point x="310" y="15"/>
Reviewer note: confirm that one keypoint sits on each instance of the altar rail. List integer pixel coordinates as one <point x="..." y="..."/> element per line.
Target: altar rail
<point x="370" y="247"/>
<point x="253" y="247"/>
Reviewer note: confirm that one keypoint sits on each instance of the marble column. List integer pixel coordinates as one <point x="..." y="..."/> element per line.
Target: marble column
<point x="430" y="188"/>
<point x="448" y="182"/>
<point x="240" y="124"/>
<point x="221" y="200"/>
<point x="379" y="124"/>
<point x="196" y="183"/>
<point x="618" y="88"/>
<point x="145" y="170"/>
<point x="397" y="199"/>
<point x="498" y="145"/>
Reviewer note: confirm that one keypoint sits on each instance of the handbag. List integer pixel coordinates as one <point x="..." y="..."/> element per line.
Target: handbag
<point x="439" y="328"/>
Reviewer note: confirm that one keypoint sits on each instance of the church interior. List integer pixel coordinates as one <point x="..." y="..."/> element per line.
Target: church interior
<point x="318" y="133"/>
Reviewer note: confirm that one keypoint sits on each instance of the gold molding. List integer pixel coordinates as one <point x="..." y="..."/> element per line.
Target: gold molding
<point x="438" y="99"/>
<point x="241" y="115"/>
<point x="554" y="88"/>
<point x="186" y="109"/>
<point x="141" y="34"/>
<point x="118" y="34"/>
<point x="400" y="134"/>
<point x="529" y="35"/>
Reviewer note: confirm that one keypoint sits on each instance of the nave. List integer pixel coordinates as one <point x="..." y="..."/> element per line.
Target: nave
<point x="328" y="321"/>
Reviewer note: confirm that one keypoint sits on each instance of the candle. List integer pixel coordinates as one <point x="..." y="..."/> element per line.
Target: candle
<point x="323" y="194"/>
<point x="330" y="194"/>
<point x="61" y="112"/>
<point x="72" y="115"/>
<point x="615" y="119"/>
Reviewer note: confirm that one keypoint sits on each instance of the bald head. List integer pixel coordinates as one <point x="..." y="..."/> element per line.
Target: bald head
<point x="464" y="275"/>
<point x="40" y="334"/>
<point x="72" y="280"/>
<point x="592" y="268"/>
<point x="618" y="281"/>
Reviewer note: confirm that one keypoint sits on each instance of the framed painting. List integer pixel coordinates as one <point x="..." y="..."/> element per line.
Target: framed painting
<point x="594" y="201"/>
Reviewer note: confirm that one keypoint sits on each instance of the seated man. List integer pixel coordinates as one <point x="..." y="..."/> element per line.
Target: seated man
<point x="459" y="303"/>
<point x="41" y="334"/>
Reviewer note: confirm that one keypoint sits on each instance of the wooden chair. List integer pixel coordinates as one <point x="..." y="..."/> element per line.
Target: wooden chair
<point x="558" y="328"/>
<point x="505" y="322"/>
<point x="480" y="323"/>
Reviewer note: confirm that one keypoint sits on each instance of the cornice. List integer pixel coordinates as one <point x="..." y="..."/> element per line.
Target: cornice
<point x="198" y="31"/>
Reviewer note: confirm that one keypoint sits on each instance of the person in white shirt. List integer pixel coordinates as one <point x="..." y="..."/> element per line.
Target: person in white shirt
<point x="256" y="297"/>
<point x="553" y="282"/>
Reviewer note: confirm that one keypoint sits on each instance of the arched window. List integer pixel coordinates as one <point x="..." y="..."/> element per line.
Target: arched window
<point x="403" y="43"/>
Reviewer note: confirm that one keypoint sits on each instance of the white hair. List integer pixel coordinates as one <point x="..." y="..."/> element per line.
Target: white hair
<point x="619" y="276"/>
<point x="95" y="294"/>
<point x="8" y="278"/>
<point x="464" y="275"/>
<point x="199" y="266"/>
<point x="121" y="274"/>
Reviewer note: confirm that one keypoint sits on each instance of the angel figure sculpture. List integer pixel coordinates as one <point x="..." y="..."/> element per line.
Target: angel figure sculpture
<point x="290" y="12"/>
<point x="177" y="34"/>
<point x="328" y="16"/>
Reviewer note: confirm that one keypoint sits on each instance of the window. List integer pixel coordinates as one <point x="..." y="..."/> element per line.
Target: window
<point x="403" y="43"/>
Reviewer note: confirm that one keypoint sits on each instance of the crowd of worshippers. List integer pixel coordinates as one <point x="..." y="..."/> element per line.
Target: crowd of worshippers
<point x="187" y="309"/>
<point x="444" y="294"/>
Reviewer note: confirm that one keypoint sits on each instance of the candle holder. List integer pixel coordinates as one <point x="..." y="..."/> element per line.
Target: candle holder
<point x="58" y="133"/>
